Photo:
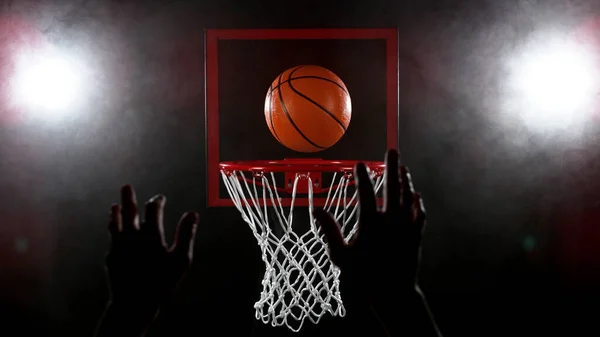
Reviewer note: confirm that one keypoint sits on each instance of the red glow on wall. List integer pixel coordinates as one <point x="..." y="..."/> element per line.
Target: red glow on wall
<point x="588" y="34"/>
<point x="17" y="37"/>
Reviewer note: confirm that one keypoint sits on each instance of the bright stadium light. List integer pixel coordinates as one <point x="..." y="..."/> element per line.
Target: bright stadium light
<point x="49" y="84"/>
<point x="554" y="83"/>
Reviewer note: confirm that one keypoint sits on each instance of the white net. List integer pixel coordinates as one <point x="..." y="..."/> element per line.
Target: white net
<point x="300" y="282"/>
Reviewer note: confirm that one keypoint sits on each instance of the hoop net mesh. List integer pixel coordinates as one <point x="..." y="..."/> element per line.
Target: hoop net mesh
<point x="299" y="282"/>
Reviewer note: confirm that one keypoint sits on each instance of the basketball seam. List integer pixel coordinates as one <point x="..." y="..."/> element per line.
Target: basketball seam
<point x="269" y="97"/>
<point x="312" y="77"/>
<point x="284" y="108"/>
<point x="314" y="103"/>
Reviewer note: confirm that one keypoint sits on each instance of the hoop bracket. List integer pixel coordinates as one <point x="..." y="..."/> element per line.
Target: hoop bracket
<point x="303" y="181"/>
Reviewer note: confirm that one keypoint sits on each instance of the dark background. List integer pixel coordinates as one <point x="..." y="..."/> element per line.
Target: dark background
<point x="512" y="240"/>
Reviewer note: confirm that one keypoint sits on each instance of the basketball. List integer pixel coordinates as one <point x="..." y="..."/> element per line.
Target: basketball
<point x="308" y="108"/>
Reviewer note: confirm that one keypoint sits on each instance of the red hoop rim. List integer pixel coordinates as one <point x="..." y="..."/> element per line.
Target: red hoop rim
<point x="300" y="165"/>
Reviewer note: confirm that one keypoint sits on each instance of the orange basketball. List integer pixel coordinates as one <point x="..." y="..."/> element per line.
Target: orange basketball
<point x="308" y="108"/>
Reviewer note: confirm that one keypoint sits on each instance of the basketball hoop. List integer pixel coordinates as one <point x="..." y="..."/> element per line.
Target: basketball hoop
<point x="299" y="281"/>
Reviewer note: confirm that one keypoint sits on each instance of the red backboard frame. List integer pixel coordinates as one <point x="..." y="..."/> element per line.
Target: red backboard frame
<point x="390" y="35"/>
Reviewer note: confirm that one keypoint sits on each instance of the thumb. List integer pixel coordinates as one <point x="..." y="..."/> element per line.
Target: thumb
<point x="184" y="237"/>
<point x="331" y="229"/>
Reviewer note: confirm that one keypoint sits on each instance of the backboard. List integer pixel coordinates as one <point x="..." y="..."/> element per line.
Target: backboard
<point x="242" y="63"/>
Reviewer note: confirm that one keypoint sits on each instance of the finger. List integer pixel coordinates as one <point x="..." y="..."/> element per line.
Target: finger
<point x="333" y="234"/>
<point x="391" y="197"/>
<point x="418" y="210"/>
<point x="406" y="188"/>
<point x="184" y="237"/>
<point x="153" y="222"/>
<point x="129" y="213"/>
<point x="366" y="194"/>
<point x="114" y="226"/>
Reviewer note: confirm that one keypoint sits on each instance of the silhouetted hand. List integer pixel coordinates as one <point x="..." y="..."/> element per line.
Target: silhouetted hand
<point x="379" y="265"/>
<point x="143" y="272"/>
<point x="385" y="250"/>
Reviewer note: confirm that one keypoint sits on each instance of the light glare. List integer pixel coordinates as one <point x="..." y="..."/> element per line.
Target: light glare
<point x="48" y="84"/>
<point x="556" y="83"/>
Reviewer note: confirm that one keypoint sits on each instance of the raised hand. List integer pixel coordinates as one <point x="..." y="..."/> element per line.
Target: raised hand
<point x="379" y="265"/>
<point x="143" y="271"/>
